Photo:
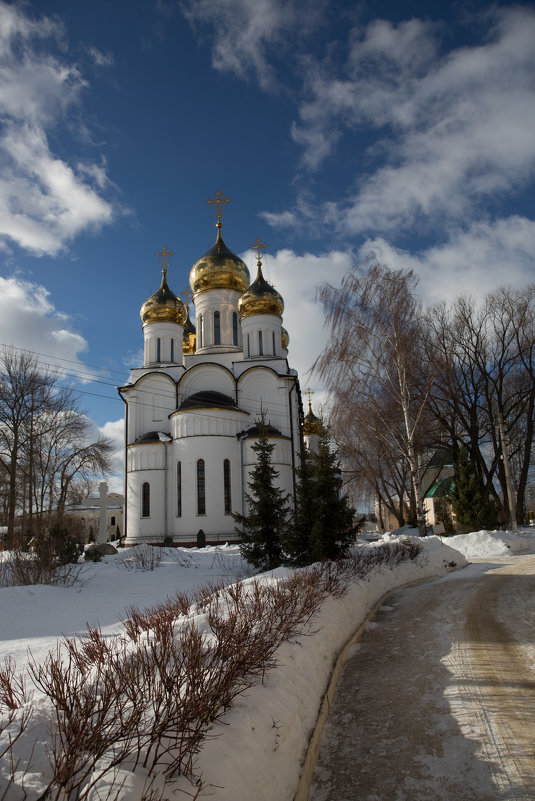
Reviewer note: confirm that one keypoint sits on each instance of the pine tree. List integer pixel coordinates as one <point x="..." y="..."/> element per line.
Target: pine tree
<point x="471" y="503"/>
<point x="323" y="524"/>
<point x="262" y="528"/>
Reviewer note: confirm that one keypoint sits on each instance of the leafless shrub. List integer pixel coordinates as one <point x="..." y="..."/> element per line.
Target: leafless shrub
<point x="141" y="557"/>
<point x="20" y="569"/>
<point x="150" y="697"/>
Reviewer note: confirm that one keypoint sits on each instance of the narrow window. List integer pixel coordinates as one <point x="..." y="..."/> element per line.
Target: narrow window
<point x="226" y="486"/>
<point x="178" y="489"/>
<point x="200" y="331"/>
<point x="201" y="488"/>
<point x="274" y="351"/>
<point x="172" y="350"/>
<point x="234" y="328"/>
<point x="112" y="520"/>
<point x="145" y="499"/>
<point x="158" y="349"/>
<point x="260" y="344"/>
<point x="217" y="329"/>
<point x="248" y="346"/>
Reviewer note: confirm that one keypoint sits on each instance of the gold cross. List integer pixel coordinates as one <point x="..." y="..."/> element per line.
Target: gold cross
<point x="258" y="246"/>
<point x="187" y="292"/>
<point x="163" y="255"/>
<point x="218" y="201"/>
<point x="309" y="392"/>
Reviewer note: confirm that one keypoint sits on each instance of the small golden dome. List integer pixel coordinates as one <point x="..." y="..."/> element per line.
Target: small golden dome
<point x="219" y="268"/>
<point x="285" y="337"/>
<point x="311" y="423"/>
<point x="163" y="306"/>
<point x="190" y="335"/>
<point x="260" y="298"/>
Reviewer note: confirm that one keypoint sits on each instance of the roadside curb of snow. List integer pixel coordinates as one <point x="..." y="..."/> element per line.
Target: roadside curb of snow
<point x="258" y="751"/>
<point x="312" y="752"/>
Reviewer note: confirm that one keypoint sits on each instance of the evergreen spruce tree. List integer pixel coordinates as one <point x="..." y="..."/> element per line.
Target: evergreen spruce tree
<point x="323" y="524"/>
<point x="471" y="503"/>
<point x="263" y="527"/>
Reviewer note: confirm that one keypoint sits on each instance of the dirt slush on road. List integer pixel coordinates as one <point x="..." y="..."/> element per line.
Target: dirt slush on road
<point x="437" y="699"/>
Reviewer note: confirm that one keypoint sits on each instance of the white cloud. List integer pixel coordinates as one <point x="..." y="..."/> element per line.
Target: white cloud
<point x="44" y="201"/>
<point x="114" y="431"/>
<point x="456" y="129"/>
<point x="471" y="262"/>
<point x="297" y="278"/>
<point x="246" y="31"/>
<point x="29" y="320"/>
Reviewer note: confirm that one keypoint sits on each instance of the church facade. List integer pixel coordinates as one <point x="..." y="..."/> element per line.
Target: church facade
<point x="192" y="409"/>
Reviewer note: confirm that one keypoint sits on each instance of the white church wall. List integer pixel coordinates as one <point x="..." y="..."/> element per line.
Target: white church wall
<point x="163" y="343"/>
<point x="224" y="301"/>
<point x="216" y="523"/>
<point x="150" y="406"/>
<point x="261" y="389"/>
<point x="206" y="377"/>
<point x="262" y="336"/>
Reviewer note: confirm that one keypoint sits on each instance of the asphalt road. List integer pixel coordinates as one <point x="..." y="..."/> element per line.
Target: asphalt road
<point x="437" y="700"/>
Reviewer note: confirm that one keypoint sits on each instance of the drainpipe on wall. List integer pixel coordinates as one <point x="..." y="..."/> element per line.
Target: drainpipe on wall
<point x="125" y="468"/>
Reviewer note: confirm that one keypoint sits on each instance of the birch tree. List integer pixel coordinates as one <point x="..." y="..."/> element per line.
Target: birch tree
<point x="373" y="361"/>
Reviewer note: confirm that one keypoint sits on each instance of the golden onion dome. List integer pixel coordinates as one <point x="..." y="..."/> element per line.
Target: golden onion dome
<point x="285" y="337"/>
<point x="163" y="306"/>
<point x="219" y="268"/>
<point x="190" y="335"/>
<point x="260" y="298"/>
<point x="311" y="423"/>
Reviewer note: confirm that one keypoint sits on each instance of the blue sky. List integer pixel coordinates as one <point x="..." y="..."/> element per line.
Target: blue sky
<point x="341" y="131"/>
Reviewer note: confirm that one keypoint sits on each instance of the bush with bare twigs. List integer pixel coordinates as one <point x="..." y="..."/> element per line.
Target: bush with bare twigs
<point x="147" y="699"/>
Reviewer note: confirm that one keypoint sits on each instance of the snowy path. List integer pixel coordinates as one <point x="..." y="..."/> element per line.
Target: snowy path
<point x="437" y="701"/>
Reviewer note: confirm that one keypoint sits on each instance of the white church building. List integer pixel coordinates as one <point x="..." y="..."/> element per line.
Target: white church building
<point x="191" y="410"/>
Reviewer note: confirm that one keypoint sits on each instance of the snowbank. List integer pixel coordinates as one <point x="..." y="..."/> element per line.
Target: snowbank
<point x="257" y="752"/>
<point x="481" y="544"/>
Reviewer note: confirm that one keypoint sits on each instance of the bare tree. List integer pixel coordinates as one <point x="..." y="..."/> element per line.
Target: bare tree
<point x="372" y="361"/>
<point x="45" y="440"/>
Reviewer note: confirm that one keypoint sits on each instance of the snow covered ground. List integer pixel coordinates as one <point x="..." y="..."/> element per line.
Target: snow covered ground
<point x="256" y="752"/>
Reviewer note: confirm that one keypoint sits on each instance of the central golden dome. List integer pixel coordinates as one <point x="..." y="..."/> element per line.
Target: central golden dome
<point x="163" y="306"/>
<point x="260" y="298"/>
<point x="219" y="268"/>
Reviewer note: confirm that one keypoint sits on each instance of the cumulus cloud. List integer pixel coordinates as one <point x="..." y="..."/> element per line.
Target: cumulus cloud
<point x="487" y="255"/>
<point x="297" y="277"/>
<point x="30" y="321"/>
<point x="44" y="201"/>
<point x="450" y="130"/>
<point x="114" y="431"/>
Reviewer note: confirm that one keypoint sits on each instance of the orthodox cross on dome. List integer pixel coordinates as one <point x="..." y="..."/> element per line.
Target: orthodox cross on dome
<point x="163" y="255"/>
<point x="309" y="392"/>
<point x="258" y="246"/>
<point x="218" y="201"/>
<point x="187" y="294"/>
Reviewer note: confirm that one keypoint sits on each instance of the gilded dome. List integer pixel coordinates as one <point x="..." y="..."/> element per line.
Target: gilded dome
<point x="163" y="306"/>
<point x="219" y="268"/>
<point x="285" y="338"/>
<point x="260" y="298"/>
<point x="311" y="423"/>
<point x="190" y="335"/>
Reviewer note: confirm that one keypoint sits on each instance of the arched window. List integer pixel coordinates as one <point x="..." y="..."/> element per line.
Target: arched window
<point x="217" y="328"/>
<point x="248" y="346"/>
<point x="260" y="344"/>
<point x="274" y="350"/>
<point x="201" y="488"/>
<point x="145" y="499"/>
<point x="178" y="489"/>
<point x="226" y="487"/>
<point x="201" y="330"/>
<point x="172" y="350"/>
<point x="234" y="328"/>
